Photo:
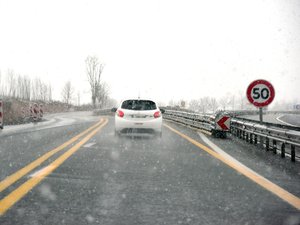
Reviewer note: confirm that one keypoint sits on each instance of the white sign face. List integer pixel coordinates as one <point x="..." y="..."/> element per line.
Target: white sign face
<point x="260" y="93"/>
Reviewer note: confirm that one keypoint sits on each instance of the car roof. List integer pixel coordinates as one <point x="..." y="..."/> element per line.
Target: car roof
<point x="138" y="99"/>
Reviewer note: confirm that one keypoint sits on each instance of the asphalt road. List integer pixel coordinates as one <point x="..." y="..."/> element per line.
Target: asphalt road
<point x="102" y="179"/>
<point x="290" y="119"/>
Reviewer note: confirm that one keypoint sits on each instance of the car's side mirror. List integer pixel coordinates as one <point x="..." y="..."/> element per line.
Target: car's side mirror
<point x="114" y="109"/>
<point x="162" y="110"/>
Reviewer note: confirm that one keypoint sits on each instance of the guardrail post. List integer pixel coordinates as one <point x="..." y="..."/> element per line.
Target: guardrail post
<point x="247" y="137"/>
<point x="251" y="138"/>
<point x="234" y="131"/>
<point x="255" y="139"/>
<point x="293" y="153"/>
<point x="261" y="141"/>
<point x="283" y="150"/>
<point x="274" y="147"/>
<point x="267" y="144"/>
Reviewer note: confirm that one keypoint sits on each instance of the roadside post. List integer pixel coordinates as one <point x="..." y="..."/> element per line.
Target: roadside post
<point x="260" y="93"/>
<point x="1" y="114"/>
<point x="41" y="111"/>
<point x="31" y="111"/>
<point x="23" y="113"/>
<point x="35" y="112"/>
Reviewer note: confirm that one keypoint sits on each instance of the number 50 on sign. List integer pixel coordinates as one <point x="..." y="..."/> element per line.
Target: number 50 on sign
<point x="260" y="93"/>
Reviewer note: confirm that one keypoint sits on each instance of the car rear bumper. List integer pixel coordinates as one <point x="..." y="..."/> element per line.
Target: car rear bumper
<point x="138" y="126"/>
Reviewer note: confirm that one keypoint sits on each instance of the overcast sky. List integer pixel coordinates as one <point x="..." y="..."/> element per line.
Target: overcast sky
<point x="161" y="49"/>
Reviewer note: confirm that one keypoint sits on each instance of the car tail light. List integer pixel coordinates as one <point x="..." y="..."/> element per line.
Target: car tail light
<point x="120" y="113"/>
<point x="157" y="114"/>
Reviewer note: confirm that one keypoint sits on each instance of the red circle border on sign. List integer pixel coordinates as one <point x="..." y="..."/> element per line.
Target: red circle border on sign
<point x="262" y="104"/>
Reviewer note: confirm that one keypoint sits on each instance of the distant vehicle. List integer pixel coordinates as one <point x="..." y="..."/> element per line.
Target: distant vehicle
<point x="138" y="117"/>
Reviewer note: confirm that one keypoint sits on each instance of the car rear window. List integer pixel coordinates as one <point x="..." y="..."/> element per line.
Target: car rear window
<point x="138" y="105"/>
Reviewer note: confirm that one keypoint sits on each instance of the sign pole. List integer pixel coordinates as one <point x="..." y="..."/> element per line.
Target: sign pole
<point x="260" y="114"/>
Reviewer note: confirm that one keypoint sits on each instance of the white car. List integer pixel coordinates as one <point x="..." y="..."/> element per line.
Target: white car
<point x="139" y="117"/>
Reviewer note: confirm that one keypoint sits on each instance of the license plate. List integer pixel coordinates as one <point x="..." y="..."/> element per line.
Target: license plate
<point x="138" y="123"/>
<point x="139" y="116"/>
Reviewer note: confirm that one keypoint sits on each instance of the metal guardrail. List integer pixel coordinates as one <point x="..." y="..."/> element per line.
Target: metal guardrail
<point x="99" y="112"/>
<point x="207" y="122"/>
<point x="273" y="137"/>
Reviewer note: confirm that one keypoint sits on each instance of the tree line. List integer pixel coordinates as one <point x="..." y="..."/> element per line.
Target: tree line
<point x="22" y="87"/>
<point x="207" y="104"/>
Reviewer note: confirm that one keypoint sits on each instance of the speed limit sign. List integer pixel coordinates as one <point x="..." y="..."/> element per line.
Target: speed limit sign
<point x="260" y="93"/>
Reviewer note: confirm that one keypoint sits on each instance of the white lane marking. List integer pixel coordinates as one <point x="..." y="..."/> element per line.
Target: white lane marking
<point x="278" y="118"/>
<point x="225" y="155"/>
<point x="88" y="145"/>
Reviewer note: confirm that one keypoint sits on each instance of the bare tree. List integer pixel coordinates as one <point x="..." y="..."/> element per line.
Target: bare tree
<point x="11" y="84"/>
<point x="49" y="92"/>
<point x="213" y="104"/>
<point x="194" y="105"/>
<point x="35" y="87"/>
<point x="102" y="94"/>
<point x="223" y="102"/>
<point x="2" y="86"/>
<point x="27" y="90"/>
<point x="204" y="104"/>
<point x="174" y="103"/>
<point x="78" y="98"/>
<point x="67" y="93"/>
<point x="94" y="70"/>
<point x="22" y="87"/>
<point x="242" y="99"/>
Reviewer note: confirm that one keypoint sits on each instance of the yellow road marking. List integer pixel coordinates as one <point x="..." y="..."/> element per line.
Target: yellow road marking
<point x="25" y="170"/>
<point x="8" y="201"/>
<point x="270" y="186"/>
